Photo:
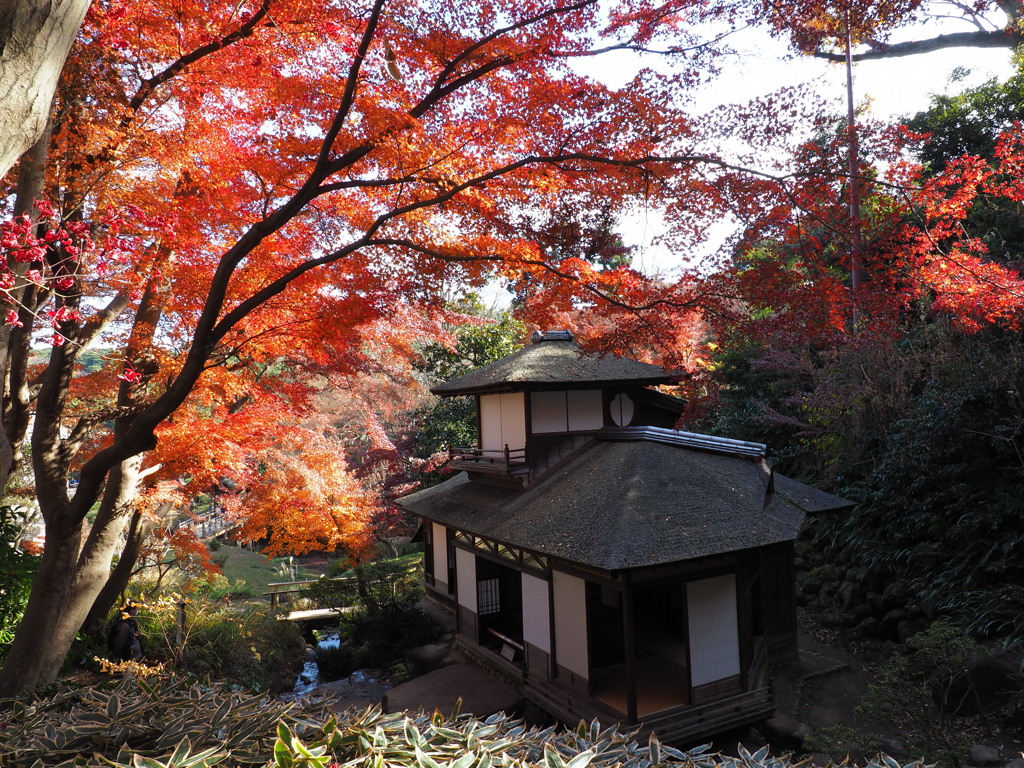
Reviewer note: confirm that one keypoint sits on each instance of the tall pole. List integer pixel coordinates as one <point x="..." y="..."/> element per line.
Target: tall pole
<point x="853" y="167"/>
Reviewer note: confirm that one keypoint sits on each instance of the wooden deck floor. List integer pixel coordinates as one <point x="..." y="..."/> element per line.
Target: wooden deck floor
<point x="660" y="685"/>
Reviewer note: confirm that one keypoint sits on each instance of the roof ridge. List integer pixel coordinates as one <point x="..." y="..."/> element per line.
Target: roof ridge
<point x="713" y="443"/>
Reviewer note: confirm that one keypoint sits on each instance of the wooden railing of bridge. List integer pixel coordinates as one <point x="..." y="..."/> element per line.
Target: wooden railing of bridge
<point x="281" y="588"/>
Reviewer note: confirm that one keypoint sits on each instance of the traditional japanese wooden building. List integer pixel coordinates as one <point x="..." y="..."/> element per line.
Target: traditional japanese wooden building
<point x="612" y="566"/>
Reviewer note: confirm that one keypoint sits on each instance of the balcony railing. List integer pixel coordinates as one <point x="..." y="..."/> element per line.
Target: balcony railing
<point x="505" y="461"/>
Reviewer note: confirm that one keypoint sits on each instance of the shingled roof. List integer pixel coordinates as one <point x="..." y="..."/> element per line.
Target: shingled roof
<point x="624" y="505"/>
<point x="554" y="359"/>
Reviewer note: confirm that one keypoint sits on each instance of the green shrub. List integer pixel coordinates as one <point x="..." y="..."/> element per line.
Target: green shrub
<point x="381" y="638"/>
<point x="905" y="694"/>
<point x="243" y="644"/>
<point x="335" y="661"/>
<point x="17" y="570"/>
<point x="372" y="586"/>
<point x="840" y="740"/>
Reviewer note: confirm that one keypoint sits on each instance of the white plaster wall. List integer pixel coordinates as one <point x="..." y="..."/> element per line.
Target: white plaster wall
<point x="439" y="535"/>
<point x="502" y="421"/>
<point x="513" y="420"/>
<point x="585" y="409"/>
<point x="547" y="412"/>
<point x="570" y="598"/>
<point x="490" y="423"/>
<point x="465" y="576"/>
<point x="714" y="630"/>
<point x="536" y="616"/>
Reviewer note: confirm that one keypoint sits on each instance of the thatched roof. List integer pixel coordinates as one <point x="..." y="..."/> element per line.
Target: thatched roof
<point x="808" y="498"/>
<point x="554" y="360"/>
<point x="623" y="505"/>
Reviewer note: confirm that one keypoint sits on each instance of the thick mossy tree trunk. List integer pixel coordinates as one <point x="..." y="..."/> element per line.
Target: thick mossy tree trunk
<point x="62" y="596"/>
<point x="35" y="37"/>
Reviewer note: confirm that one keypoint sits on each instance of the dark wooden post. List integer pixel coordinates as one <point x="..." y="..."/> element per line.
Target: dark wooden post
<point x="179" y="638"/>
<point x="629" y="636"/>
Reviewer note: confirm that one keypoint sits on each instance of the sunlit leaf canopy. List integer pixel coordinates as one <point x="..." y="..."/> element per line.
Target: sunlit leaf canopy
<point x="481" y="123"/>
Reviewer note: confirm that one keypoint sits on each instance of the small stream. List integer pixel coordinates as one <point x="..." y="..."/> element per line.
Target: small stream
<point x="360" y="685"/>
<point x="309" y="677"/>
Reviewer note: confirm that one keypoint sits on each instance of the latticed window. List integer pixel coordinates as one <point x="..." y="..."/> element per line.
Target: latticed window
<point x="488" y="596"/>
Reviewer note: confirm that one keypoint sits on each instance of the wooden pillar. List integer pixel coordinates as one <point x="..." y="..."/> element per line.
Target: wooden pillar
<point x="629" y="635"/>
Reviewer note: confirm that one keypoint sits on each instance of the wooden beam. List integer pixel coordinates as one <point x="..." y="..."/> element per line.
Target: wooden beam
<point x="629" y="636"/>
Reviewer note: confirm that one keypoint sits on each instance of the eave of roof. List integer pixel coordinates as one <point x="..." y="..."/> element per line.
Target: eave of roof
<point x="808" y="498"/>
<point x="554" y="362"/>
<point x="622" y="505"/>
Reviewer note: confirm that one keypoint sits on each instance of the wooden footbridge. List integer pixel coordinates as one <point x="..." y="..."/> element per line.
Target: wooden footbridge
<point x="314" y="618"/>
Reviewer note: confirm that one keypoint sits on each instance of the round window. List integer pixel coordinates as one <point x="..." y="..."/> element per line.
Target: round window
<point x="622" y="409"/>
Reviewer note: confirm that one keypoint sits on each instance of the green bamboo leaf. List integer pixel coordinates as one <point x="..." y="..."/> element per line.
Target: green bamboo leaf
<point x="465" y="761"/>
<point x="282" y="757"/>
<point x="113" y="706"/>
<point x="204" y="759"/>
<point x="180" y="751"/>
<point x="552" y="759"/>
<point x="412" y="734"/>
<point x="222" y="712"/>
<point x="582" y="760"/>
<point x="654" y="748"/>
<point x="423" y="760"/>
<point x="140" y="761"/>
<point x="285" y="736"/>
<point x="457" y="709"/>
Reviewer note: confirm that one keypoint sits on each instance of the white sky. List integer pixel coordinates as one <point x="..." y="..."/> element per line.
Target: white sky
<point x="894" y="88"/>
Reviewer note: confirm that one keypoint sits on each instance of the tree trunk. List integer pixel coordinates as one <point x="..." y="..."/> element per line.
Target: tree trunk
<point x="31" y="653"/>
<point x="62" y="596"/>
<point x="35" y="37"/>
<point x="139" y="530"/>
<point x="13" y="361"/>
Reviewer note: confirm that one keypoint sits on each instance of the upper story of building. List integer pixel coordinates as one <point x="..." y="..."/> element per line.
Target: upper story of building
<point x="540" y="404"/>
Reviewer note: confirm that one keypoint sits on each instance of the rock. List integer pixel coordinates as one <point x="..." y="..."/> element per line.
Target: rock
<point x="907" y="629"/>
<point x="832" y="573"/>
<point x="896" y="594"/>
<point x="982" y="755"/>
<point x="426" y="658"/>
<point x="810" y="585"/>
<point x="893" y="747"/>
<point x="877" y="576"/>
<point x="978" y="686"/>
<point x="1017" y="763"/>
<point x="915" y="610"/>
<point x="786" y="731"/>
<point x="860" y="612"/>
<point x="888" y="627"/>
<point x="849" y="595"/>
<point x="869" y="626"/>
<point x="875" y="603"/>
<point x="831" y="618"/>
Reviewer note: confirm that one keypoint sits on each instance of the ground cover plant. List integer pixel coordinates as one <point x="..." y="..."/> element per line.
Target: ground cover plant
<point x="170" y="724"/>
